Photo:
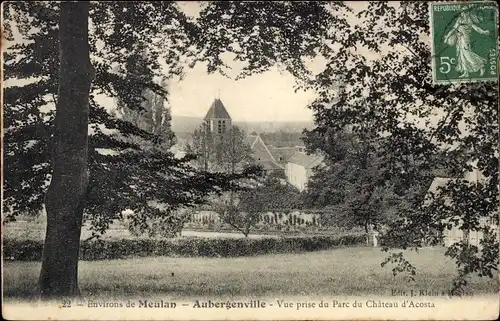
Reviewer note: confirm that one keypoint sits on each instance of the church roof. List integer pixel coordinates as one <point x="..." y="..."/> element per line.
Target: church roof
<point x="217" y="110"/>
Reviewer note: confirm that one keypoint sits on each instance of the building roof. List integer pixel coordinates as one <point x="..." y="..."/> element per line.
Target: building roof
<point x="436" y="183"/>
<point x="304" y="160"/>
<point x="217" y="110"/>
<point x="282" y="154"/>
<point x="269" y="165"/>
<point x="251" y="140"/>
<point x="261" y="153"/>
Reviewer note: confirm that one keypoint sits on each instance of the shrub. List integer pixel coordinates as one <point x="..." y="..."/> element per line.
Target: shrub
<point x="22" y="250"/>
<point x="28" y="250"/>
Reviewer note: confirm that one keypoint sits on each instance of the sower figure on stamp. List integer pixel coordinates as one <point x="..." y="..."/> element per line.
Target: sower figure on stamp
<point x="467" y="60"/>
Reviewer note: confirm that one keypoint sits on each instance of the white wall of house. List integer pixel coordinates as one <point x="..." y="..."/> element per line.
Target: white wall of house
<point x="475" y="176"/>
<point x="296" y="175"/>
<point x="455" y="234"/>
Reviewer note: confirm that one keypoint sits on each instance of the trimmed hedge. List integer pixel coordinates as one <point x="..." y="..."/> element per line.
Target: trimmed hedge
<point x="28" y="250"/>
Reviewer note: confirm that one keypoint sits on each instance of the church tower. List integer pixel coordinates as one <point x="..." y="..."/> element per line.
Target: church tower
<point x="217" y="119"/>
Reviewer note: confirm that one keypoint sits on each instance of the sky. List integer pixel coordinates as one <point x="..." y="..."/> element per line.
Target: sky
<point x="268" y="96"/>
<point x="264" y="97"/>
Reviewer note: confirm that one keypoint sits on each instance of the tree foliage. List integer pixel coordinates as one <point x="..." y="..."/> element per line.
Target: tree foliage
<point x="243" y="209"/>
<point x="391" y="94"/>
<point x="154" y="116"/>
<point x="123" y="173"/>
<point x="353" y="185"/>
<point x="380" y="56"/>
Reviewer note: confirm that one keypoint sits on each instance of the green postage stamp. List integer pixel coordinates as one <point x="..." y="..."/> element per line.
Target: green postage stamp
<point x="464" y="41"/>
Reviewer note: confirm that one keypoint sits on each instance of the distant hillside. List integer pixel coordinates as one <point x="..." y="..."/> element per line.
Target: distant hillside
<point x="273" y="127"/>
<point x="185" y="124"/>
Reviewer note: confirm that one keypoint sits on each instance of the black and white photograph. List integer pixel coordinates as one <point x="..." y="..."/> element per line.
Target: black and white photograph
<point x="250" y="160"/>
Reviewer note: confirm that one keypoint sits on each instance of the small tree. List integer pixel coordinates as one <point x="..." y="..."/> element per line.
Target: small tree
<point x="158" y="225"/>
<point x="227" y="152"/>
<point x="241" y="217"/>
<point x="153" y="115"/>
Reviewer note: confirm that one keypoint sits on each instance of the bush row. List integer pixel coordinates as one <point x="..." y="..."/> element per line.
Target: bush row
<point x="29" y="250"/>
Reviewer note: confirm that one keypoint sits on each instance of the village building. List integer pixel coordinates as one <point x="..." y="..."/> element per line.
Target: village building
<point x="262" y="155"/>
<point x="455" y="234"/>
<point x="272" y="159"/>
<point x="299" y="168"/>
<point x="291" y="163"/>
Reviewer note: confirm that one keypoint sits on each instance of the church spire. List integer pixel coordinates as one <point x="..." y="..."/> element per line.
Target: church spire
<point x="217" y="111"/>
<point x="217" y="118"/>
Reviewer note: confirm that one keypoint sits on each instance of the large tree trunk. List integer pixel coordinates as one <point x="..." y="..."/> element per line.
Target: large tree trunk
<point x="65" y="198"/>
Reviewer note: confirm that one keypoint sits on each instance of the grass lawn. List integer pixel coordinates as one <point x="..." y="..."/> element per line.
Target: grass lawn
<point x="340" y="272"/>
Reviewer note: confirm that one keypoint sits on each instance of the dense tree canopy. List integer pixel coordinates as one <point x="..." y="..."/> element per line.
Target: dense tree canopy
<point x="123" y="175"/>
<point x="352" y="186"/>
<point x="384" y="65"/>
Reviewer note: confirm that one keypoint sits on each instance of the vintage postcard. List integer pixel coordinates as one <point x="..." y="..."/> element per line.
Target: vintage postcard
<point x="250" y="160"/>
